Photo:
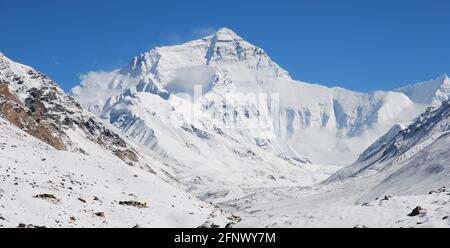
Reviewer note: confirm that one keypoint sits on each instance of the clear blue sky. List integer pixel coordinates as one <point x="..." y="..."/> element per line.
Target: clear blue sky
<point x="361" y="45"/>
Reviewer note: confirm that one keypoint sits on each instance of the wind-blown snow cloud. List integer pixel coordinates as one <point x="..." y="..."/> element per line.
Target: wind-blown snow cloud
<point x="188" y="78"/>
<point x="200" y="32"/>
<point x="175" y="38"/>
<point x="98" y="85"/>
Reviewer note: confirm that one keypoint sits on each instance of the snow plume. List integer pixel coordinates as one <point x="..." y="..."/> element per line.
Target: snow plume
<point x="175" y="38"/>
<point x="96" y="86"/>
<point x="186" y="79"/>
<point x="206" y="31"/>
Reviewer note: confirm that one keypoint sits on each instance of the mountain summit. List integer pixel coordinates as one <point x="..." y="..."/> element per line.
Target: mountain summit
<point x="218" y="59"/>
<point x="226" y="34"/>
<point x="224" y="63"/>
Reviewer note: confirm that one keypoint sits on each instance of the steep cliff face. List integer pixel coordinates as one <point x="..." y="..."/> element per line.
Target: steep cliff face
<point x="34" y="123"/>
<point x="37" y="105"/>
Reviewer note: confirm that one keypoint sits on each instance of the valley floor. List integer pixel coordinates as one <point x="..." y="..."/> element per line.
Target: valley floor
<point x="336" y="206"/>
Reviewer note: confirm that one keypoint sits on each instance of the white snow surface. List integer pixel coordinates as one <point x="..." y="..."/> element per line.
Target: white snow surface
<point x="431" y="92"/>
<point x="30" y="167"/>
<point x="414" y="160"/>
<point x="339" y="205"/>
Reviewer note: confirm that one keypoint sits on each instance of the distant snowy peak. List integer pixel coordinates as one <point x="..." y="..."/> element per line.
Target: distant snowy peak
<point x="218" y="50"/>
<point x="223" y="47"/>
<point x="432" y="92"/>
<point x="403" y="144"/>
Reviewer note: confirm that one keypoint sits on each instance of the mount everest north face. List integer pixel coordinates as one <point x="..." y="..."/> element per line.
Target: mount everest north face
<point x="213" y="132"/>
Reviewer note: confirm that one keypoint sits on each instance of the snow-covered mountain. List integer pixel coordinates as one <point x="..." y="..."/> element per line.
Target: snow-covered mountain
<point x="142" y="99"/>
<point x="62" y="167"/>
<point x="149" y="150"/>
<point x="409" y="159"/>
<point x="430" y="93"/>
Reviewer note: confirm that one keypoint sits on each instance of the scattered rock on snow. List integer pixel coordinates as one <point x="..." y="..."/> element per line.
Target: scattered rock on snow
<point x="235" y="218"/>
<point x="208" y="224"/>
<point x="21" y="225"/>
<point x="387" y="198"/>
<point x="418" y="210"/>
<point x="48" y="197"/>
<point x="441" y="190"/>
<point x="100" y="214"/>
<point x="230" y="225"/>
<point x="133" y="204"/>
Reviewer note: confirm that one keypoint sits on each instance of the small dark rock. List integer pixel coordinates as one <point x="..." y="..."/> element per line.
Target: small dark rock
<point x="22" y="225"/>
<point x="49" y="197"/>
<point x="214" y="225"/>
<point x="208" y="224"/>
<point x="229" y="225"/>
<point x="133" y="204"/>
<point x="416" y="211"/>
<point x="235" y="218"/>
<point x="100" y="214"/>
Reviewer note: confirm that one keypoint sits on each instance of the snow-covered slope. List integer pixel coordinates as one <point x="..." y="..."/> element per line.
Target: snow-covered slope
<point x="146" y="94"/>
<point x="430" y="93"/>
<point x="338" y="205"/>
<point x="402" y="180"/>
<point x="40" y="186"/>
<point x="61" y="167"/>
<point x="412" y="160"/>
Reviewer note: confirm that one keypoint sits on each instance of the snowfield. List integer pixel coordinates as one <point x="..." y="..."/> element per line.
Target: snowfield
<point x="87" y="190"/>
<point x="339" y="206"/>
